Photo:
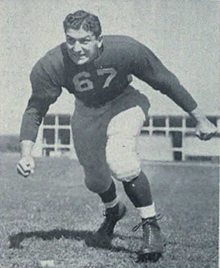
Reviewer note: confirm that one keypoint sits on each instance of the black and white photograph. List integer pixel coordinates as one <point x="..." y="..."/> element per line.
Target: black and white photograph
<point x="109" y="133"/>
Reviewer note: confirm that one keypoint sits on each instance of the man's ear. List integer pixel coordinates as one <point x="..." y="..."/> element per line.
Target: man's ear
<point x="100" y="41"/>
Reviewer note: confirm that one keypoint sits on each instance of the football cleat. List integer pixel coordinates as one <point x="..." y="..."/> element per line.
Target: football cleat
<point x="112" y="216"/>
<point x="153" y="243"/>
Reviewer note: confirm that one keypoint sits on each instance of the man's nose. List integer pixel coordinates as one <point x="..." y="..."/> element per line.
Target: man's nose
<point x="77" y="47"/>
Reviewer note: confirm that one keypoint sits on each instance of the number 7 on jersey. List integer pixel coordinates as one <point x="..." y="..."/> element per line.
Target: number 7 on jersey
<point x="83" y="83"/>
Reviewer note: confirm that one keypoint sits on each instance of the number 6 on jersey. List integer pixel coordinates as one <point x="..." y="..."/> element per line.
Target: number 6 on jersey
<point x="83" y="83"/>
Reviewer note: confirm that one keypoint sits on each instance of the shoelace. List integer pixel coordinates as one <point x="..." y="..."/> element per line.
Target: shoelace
<point x="146" y="221"/>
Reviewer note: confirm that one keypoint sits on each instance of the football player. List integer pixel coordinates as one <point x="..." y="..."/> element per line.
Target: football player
<point x="108" y="117"/>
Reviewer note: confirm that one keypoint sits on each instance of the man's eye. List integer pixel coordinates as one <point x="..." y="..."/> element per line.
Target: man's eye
<point x="85" y="41"/>
<point x="70" y="40"/>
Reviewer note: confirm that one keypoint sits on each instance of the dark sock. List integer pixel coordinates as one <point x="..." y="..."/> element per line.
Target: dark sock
<point x="138" y="190"/>
<point x="110" y="194"/>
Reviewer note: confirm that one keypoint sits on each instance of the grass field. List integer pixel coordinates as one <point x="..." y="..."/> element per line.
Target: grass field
<point x="52" y="216"/>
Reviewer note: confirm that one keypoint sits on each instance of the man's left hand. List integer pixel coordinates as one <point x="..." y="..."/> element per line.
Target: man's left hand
<point x="205" y="130"/>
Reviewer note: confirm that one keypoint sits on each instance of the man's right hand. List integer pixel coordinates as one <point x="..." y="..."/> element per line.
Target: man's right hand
<point x="26" y="166"/>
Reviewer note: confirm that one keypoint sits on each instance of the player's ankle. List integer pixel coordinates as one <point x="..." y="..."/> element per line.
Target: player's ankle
<point x="147" y="211"/>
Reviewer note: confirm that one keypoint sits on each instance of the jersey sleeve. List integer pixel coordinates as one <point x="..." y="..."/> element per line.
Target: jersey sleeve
<point x="45" y="91"/>
<point x="147" y="67"/>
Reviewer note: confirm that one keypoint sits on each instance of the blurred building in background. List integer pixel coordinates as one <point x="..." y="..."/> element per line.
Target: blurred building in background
<point x="163" y="138"/>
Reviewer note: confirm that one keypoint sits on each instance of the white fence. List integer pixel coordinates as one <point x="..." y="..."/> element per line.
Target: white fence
<point x="163" y="138"/>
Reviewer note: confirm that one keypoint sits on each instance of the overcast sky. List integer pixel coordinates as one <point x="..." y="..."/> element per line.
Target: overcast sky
<point x="183" y="34"/>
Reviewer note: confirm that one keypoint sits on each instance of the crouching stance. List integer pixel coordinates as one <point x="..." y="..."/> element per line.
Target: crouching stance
<point x="108" y="116"/>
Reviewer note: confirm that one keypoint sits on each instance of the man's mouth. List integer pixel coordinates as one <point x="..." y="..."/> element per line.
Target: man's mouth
<point x="78" y="55"/>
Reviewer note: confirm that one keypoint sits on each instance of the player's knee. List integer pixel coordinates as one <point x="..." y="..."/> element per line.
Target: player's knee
<point x="124" y="164"/>
<point x="122" y="157"/>
<point x="125" y="173"/>
<point x="93" y="187"/>
<point x="96" y="182"/>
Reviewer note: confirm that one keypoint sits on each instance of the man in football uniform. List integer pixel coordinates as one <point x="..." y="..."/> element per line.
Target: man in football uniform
<point x="108" y="117"/>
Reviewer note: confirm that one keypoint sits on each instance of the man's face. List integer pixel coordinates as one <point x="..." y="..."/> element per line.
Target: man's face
<point x="82" y="46"/>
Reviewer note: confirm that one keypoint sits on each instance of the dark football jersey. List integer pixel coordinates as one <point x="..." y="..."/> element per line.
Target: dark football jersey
<point x="97" y="82"/>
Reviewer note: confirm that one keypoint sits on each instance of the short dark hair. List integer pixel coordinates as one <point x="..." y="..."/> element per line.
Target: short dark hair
<point x="89" y="22"/>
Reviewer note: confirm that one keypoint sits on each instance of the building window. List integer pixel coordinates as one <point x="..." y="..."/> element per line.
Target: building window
<point x="177" y="156"/>
<point x="64" y="120"/>
<point x="144" y="132"/>
<point x="49" y="120"/>
<point x="159" y="133"/>
<point x="64" y="136"/>
<point x="177" y="137"/>
<point x="159" y="121"/>
<point x="190" y="122"/>
<point x="49" y="136"/>
<point x="175" y="121"/>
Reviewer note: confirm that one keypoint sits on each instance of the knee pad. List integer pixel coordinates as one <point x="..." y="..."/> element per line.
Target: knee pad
<point x="122" y="159"/>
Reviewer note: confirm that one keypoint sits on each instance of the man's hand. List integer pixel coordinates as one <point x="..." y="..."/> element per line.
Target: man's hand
<point x="26" y="166"/>
<point x="205" y="130"/>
